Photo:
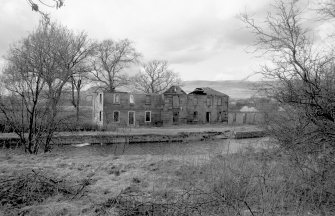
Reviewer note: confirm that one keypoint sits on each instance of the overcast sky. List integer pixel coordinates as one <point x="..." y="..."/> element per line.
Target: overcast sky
<point x="202" y="39"/>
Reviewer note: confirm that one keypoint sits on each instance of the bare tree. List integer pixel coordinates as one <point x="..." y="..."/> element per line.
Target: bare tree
<point x="70" y="52"/>
<point x="156" y="77"/>
<point x="77" y="83"/>
<point x="301" y="73"/>
<point x="80" y="71"/>
<point x="327" y="9"/>
<point x="110" y="60"/>
<point x="23" y="102"/>
<point x="37" y="70"/>
<point x="303" y="82"/>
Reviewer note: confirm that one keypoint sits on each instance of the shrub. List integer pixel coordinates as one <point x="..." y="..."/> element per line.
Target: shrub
<point x="18" y="190"/>
<point x="247" y="183"/>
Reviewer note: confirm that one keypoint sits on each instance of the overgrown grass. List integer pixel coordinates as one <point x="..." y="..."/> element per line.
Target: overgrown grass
<point x="28" y="188"/>
<point x="250" y="182"/>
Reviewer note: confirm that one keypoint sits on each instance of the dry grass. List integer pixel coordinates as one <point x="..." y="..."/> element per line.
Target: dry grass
<point x="109" y="176"/>
<point x="244" y="183"/>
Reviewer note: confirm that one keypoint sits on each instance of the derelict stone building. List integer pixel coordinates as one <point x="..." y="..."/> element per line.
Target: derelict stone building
<point x="174" y="106"/>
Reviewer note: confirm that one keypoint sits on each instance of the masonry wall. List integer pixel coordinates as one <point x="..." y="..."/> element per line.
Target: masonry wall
<point x="198" y="107"/>
<point x="238" y="118"/>
<point x="139" y="106"/>
<point x="98" y="112"/>
<point x="172" y="107"/>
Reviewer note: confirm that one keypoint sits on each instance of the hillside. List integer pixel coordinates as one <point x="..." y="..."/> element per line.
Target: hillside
<point x="233" y="88"/>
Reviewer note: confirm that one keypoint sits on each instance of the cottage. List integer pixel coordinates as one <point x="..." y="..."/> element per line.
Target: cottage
<point x="174" y="106"/>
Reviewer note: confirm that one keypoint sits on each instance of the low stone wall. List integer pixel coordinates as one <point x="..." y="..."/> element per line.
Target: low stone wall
<point x="239" y="118"/>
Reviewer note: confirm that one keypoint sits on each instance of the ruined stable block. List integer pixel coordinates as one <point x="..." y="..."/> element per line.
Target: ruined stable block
<point x="173" y="107"/>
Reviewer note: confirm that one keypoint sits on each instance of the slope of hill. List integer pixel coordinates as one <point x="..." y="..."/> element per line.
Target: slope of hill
<point x="233" y="88"/>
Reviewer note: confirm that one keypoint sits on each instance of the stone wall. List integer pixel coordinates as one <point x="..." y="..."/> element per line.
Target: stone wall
<point x="97" y="111"/>
<point x="239" y="118"/>
<point x="172" y="107"/>
<point x="139" y="105"/>
<point x="203" y="104"/>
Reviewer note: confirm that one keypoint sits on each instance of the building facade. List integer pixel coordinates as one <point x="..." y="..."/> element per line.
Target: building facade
<point x="174" y="106"/>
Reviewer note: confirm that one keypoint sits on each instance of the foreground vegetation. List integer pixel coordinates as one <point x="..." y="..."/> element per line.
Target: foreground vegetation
<point x="250" y="182"/>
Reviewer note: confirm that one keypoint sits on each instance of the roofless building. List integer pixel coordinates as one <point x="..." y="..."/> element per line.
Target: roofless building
<point x="174" y="106"/>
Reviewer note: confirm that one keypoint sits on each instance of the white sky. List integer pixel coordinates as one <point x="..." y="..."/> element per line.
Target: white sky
<point x="202" y="39"/>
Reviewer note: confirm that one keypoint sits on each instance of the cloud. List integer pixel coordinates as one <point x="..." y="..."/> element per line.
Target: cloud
<point x="202" y="40"/>
<point x="188" y="33"/>
<point x="16" y="20"/>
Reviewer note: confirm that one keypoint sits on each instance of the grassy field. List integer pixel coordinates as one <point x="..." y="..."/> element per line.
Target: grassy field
<point x="157" y="176"/>
<point x="250" y="180"/>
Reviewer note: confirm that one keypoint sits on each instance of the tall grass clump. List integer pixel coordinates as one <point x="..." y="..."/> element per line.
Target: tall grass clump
<point x="251" y="182"/>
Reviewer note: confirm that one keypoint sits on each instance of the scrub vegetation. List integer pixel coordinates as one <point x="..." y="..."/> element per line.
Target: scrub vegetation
<point x="249" y="181"/>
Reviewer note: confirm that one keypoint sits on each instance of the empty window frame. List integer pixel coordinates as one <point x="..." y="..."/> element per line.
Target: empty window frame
<point x="131" y="99"/>
<point x="175" y="101"/>
<point x="100" y="98"/>
<point x="166" y="100"/>
<point x="208" y="117"/>
<point x="148" y="99"/>
<point x="131" y="118"/>
<point x="117" y="98"/>
<point x="219" y="116"/>
<point x="195" y="100"/>
<point x="116" y="116"/>
<point x="209" y="101"/>
<point x="147" y="116"/>
<point x="219" y="101"/>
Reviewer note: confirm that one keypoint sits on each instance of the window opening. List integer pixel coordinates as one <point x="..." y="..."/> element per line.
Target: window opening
<point x="147" y="116"/>
<point x="116" y="116"/>
<point x="116" y="98"/>
<point x="148" y="99"/>
<point x="131" y="99"/>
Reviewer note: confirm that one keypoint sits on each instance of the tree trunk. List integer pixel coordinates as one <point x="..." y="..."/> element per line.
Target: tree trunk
<point x="78" y="107"/>
<point x="78" y="101"/>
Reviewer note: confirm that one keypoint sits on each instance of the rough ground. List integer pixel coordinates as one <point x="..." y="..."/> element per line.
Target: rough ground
<point x="109" y="175"/>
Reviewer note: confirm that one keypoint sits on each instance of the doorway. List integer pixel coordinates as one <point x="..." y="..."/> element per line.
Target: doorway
<point x="131" y="118"/>
<point x="220" y="117"/>
<point x="175" y="117"/>
<point x="208" y="117"/>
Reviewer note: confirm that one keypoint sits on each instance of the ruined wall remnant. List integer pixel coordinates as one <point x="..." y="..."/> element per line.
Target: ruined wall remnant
<point x="98" y="111"/>
<point x="239" y="118"/>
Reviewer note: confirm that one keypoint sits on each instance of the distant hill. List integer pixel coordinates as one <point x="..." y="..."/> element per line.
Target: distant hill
<point x="233" y="88"/>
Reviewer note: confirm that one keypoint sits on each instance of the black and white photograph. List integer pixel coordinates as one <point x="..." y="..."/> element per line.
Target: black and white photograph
<point x="167" y="107"/>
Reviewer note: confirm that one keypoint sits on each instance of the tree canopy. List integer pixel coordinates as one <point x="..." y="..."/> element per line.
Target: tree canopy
<point x="155" y="77"/>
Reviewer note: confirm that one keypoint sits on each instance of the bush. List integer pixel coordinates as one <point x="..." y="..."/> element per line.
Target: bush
<point x="248" y="183"/>
<point x="18" y="190"/>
